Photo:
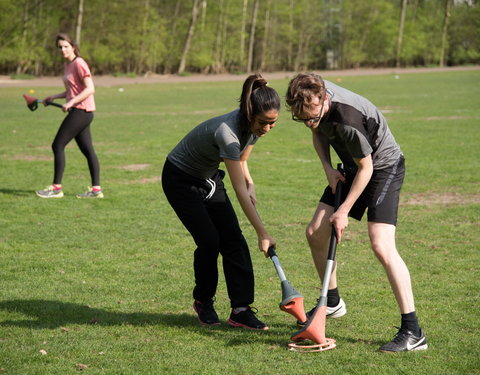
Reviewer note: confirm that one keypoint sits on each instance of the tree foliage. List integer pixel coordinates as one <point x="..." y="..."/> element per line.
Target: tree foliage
<point x="142" y="36"/>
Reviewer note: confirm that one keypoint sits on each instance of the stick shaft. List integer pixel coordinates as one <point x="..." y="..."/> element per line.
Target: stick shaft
<point x="276" y="263"/>
<point x="332" y="248"/>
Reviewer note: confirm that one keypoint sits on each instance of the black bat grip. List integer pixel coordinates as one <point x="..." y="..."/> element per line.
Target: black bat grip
<point x="54" y="104"/>
<point x="338" y="190"/>
<point x="271" y="252"/>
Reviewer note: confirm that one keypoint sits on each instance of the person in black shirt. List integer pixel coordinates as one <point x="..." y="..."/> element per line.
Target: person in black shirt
<point x="374" y="169"/>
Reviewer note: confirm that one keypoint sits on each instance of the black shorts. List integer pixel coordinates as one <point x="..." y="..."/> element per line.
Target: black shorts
<point x="381" y="195"/>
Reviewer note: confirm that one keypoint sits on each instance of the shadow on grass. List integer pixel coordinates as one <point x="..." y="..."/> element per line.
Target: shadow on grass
<point x="48" y="314"/>
<point x="17" y="192"/>
<point x="54" y="314"/>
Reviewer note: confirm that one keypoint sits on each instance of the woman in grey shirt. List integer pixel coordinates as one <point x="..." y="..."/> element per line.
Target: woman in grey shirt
<point x="193" y="185"/>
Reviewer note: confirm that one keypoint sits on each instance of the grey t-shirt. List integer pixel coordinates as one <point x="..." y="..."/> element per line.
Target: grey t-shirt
<point x="202" y="150"/>
<point x="356" y="128"/>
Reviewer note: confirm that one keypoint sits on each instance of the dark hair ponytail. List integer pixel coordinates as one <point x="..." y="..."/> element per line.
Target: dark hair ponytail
<point x="257" y="98"/>
<point x="67" y="38"/>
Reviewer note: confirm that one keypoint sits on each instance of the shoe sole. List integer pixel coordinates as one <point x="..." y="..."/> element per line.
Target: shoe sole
<point x="51" y="196"/>
<point x="337" y="313"/>
<point x="421" y="347"/>
<point x="240" y="325"/>
<point x="208" y="324"/>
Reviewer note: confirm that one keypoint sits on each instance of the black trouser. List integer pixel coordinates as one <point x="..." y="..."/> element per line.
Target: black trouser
<point x="75" y="125"/>
<point x="212" y="222"/>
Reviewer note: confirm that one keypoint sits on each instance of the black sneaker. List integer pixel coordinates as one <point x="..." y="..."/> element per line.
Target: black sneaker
<point x="246" y="319"/>
<point x="405" y="341"/>
<point x="206" y="313"/>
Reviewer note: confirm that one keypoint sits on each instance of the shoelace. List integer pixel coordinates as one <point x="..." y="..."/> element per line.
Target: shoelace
<point x="401" y="334"/>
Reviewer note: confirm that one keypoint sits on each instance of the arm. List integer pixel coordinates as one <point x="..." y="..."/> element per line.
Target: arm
<point x="339" y="219"/>
<point x="246" y="172"/>
<point x="87" y="91"/>
<point x="238" y="179"/>
<point x="322" y="147"/>
<point x="51" y="98"/>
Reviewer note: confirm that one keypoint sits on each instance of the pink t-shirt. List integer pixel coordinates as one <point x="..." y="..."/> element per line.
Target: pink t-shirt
<point x="74" y="73"/>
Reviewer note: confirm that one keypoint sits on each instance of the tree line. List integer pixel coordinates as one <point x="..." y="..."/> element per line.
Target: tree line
<point x="237" y="36"/>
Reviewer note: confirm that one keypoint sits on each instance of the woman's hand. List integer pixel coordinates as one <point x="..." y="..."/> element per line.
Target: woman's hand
<point x="265" y="243"/>
<point x="67" y="106"/>
<point x="48" y="100"/>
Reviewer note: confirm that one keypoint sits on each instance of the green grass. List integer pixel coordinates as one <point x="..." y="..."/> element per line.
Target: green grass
<point x="107" y="283"/>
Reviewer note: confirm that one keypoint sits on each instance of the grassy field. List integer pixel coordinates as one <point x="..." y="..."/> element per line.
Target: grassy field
<point x="104" y="286"/>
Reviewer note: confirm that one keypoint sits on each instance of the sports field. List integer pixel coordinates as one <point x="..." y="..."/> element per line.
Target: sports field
<point x="104" y="286"/>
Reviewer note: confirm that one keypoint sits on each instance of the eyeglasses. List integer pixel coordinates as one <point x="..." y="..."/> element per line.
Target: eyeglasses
<point x="311" y="120"/>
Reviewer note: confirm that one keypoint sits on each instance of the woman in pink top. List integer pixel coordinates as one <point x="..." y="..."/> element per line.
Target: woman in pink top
<point x="79" y="105"/>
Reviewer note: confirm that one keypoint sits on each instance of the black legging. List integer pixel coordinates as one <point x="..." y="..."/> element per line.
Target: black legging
<point x="75" y="125"/>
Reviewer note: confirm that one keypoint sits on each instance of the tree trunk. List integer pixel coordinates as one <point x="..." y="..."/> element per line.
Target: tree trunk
<point x="446" y="18"/>
<point x="265" y="36"/>
<point x="252" y="37"/>
<point x="290" y="40"/>
<point x="400" y="32"/>
<point x="204" y="13"/>
<point x="242" y="33"/>
<point x="141" y="59"/>
<point x="21" y="60"/>
<point x="170" y="59"/>
<point x="78" y="31"/>
<point x="218" y="39"/>
<point x="188" y="40"/>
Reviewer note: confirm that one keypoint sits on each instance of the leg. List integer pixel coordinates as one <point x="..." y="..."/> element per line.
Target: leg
<point x="318" y="236"/>
<point x="65" y="134"/>
<point x="236" y="260"/>
<point x="85" y="144"/>
<point x="72" y="126"/>
<point x="382" y="237"/>
<point x="410" y="336"/>
<point x="187" y="202"/>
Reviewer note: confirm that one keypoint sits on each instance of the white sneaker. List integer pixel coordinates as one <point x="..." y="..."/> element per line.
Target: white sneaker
<point x="50" y="192"/>
<point x="337" y="311"/>
<point x="332" y="312"/>
<point x="91" y="194"/>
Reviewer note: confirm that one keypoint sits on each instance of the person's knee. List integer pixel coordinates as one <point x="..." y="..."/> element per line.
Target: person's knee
<point x="311" y="235"/>
<point x="385" y="252"/>
<point x="57" y="147"/>
<point x="316" y="237"/>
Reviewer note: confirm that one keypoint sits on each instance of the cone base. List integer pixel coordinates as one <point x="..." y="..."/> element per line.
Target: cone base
<point x="302" y="347"/>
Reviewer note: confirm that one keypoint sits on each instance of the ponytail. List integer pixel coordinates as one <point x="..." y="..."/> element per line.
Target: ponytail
<point x="257" y="98"/>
